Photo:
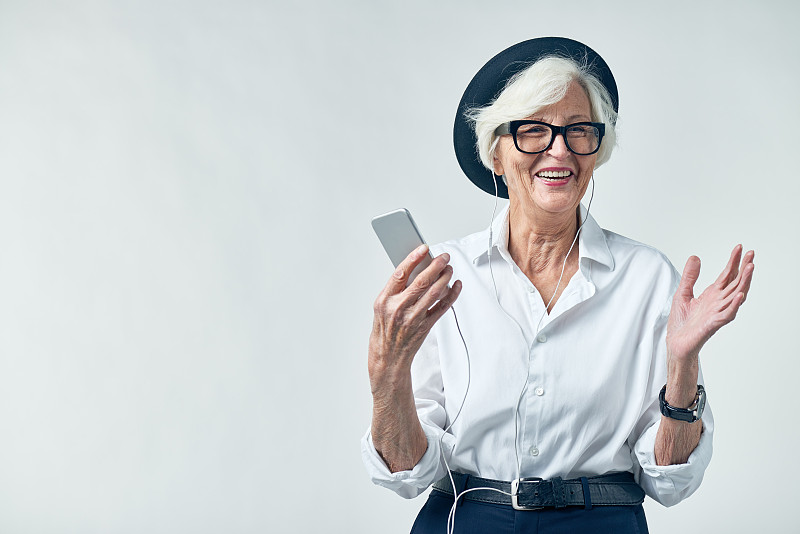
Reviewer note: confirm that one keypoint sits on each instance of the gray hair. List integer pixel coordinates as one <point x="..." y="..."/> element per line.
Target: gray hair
<point x="543" y="84"/>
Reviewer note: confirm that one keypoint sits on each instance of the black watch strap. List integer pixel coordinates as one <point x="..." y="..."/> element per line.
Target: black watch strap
<point x="690" y="414"/>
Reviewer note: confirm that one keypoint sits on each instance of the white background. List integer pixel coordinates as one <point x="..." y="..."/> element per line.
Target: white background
<point x="187" y="268"/>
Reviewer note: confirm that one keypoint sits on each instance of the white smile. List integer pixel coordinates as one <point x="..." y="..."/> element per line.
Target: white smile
<point x="554" y="175"/>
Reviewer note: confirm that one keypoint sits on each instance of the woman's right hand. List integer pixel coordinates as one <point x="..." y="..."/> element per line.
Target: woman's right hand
<point x="405" y="315"/>
<point x="403" y="318"/>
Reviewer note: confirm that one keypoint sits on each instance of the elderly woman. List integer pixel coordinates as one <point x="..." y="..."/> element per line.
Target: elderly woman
<point x="566" y="385"/>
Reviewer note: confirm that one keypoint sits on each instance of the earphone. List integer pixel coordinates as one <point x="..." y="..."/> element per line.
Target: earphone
<point x="456" y="494"/>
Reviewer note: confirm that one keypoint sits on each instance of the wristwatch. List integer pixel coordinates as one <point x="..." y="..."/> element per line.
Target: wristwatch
<point x="690" y="414"/>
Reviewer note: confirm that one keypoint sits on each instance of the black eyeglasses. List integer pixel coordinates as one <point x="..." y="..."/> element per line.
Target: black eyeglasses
<point x="534" y="137"/>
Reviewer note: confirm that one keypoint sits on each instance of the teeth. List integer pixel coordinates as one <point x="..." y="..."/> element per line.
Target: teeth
<point x="554" y="174"/>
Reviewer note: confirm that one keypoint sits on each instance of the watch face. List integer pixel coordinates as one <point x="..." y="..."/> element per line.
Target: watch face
<point x="701" y="402"/>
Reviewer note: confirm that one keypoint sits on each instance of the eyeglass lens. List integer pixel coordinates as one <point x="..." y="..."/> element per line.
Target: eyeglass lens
<point x="580" y="138"/>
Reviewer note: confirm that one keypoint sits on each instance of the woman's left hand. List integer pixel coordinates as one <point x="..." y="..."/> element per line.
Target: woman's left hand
<point x="693" y="320"/>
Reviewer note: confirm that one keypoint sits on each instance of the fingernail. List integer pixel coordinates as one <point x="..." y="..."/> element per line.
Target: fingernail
<point x="446" y="257"/>
<point x="421" y="250"/>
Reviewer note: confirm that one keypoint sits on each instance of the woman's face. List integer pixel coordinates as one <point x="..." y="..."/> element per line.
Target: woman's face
<point x="555" y="180"/>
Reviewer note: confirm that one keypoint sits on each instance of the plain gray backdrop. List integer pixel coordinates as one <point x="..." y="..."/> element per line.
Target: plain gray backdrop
<point x="187" y="268"/>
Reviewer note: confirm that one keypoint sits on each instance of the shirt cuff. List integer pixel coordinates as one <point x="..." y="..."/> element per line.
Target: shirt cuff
<point x="670" y="484"/>
<point x="410" y="483"/>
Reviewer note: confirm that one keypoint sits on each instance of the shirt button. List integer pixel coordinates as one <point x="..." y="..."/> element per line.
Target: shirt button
<point x="541" y="338"/>
<point x="531" y="289"/>
<point x="534" y="451"/>
<point x="540" y="391"/>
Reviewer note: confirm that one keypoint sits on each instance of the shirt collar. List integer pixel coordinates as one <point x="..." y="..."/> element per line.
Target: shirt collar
<point x="592" y="243"/>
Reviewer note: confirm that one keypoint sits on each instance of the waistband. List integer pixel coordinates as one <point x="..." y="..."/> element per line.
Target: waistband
<point x="613" y="489"/>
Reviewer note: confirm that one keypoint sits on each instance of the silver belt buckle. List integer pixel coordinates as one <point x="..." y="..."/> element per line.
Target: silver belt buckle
<point x="515" y="489"/>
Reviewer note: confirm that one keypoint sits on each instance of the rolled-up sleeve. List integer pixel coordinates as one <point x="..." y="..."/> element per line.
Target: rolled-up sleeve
<point x="667" y="484"/>
<point x="670" y="484"/>
<point x="407" y="484"/>
<point x="429" y="399"/>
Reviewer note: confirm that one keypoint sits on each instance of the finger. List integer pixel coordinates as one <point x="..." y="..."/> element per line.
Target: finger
<point x="444" y="304"/>
<point x="731" y="270"/>
<point x="739" y="295"/>
<point x="736" y="283"/>
<point x="426" y="278"/>
<point x="744" y="285"/>
<point x="728" y="313"/>
<point x="437" y="290"/>
<point x="397" y="283"/>
<point x="748" y="258"/>
<point x="690" y="273"/>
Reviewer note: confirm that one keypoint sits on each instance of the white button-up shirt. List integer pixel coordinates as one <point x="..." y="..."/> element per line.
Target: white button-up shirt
<point x="591" y="373"/>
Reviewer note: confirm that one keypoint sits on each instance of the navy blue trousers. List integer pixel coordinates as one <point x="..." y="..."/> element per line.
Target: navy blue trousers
<point x="481" y="518"/>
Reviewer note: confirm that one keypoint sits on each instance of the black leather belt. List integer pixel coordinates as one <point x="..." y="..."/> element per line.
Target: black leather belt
<point x="615" y="489"/>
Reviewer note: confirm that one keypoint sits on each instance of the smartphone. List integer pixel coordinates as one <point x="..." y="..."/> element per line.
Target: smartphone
<point x="399" y="235"/>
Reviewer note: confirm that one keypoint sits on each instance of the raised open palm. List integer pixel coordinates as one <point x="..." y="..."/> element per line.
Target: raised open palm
<point x="693" y="320"/>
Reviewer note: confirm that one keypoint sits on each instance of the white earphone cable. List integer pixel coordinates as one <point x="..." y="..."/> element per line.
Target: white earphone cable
<point x="456" y="495"/>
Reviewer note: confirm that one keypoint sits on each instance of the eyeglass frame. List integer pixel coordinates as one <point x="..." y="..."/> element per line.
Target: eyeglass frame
<point x="512" y="127"/>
